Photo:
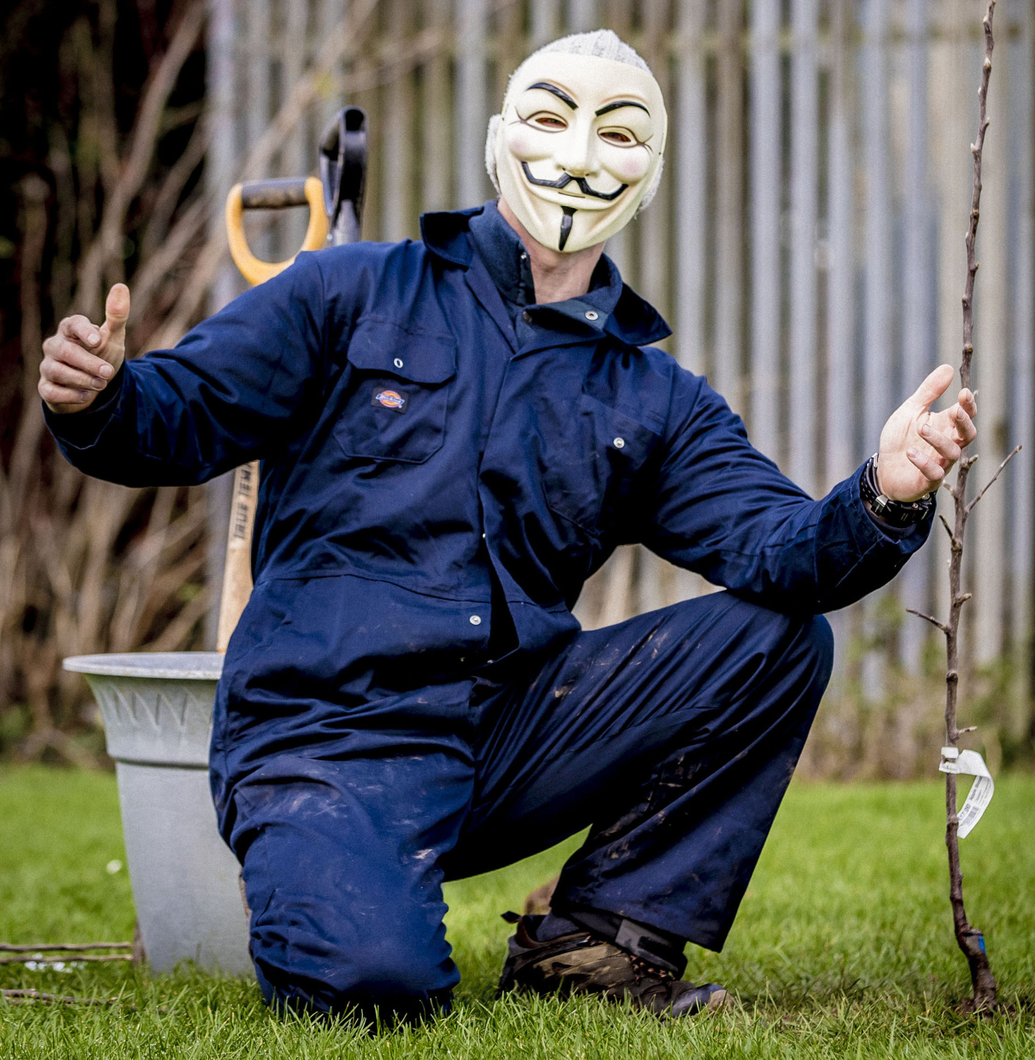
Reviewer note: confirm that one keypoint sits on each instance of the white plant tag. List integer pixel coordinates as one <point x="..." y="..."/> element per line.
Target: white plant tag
<point x="969" y="763"/>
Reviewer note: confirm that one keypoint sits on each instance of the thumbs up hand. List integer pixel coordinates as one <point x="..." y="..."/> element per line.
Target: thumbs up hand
<point x="80" y="360"/>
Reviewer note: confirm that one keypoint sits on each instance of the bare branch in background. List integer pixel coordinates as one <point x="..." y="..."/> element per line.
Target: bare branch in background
<point x="928" y="618"/>
<point x="343" y="42"/>
<point x="57" y="947"/>
<point x="91" y="957"/>
<point x="87" y="566"/>
<point x="133" y="169"/>
<point x="23" y="997"/>
<point x="999" y="470"/>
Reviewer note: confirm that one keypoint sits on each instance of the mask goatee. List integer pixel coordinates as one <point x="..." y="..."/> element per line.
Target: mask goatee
<point x="569" y="213"/>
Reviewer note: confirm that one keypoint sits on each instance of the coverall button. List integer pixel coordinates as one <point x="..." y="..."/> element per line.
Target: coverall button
<point x="592" y="314"/>
<point x="476" y="620"/>
<point x="526" y="316"/>
<point x="619" y="443"/>
<point x="398" y="362"/>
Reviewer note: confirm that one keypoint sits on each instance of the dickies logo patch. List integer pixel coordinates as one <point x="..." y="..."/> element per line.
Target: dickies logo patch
<point x="389" y="399"/>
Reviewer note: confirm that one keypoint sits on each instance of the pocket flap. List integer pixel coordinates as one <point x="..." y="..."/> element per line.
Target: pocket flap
<point x="384" y="347"/>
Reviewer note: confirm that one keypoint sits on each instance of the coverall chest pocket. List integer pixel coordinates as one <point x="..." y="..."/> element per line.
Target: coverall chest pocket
<point x="398" y="396"/>
<point x="591" y="471"/>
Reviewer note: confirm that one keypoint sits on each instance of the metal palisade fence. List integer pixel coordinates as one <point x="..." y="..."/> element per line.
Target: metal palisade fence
<point x="806" y="246"/>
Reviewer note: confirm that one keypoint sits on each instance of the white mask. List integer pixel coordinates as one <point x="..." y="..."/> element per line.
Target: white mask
<point x="578" y="146"/>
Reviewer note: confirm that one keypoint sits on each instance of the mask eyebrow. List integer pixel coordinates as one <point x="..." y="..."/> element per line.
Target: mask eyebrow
<point x="617" y="104"/>
<point x="558" y="92"/>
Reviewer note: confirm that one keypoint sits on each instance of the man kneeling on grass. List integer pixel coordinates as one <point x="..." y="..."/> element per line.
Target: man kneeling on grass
<point x="455" y="434"/>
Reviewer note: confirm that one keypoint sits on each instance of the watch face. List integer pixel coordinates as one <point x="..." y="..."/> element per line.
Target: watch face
<point x="579" y="145"/>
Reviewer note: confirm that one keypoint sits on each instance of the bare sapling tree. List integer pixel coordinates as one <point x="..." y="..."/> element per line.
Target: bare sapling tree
<point x="969" y="938"/>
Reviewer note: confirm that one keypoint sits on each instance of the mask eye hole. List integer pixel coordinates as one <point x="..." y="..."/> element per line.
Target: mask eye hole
<point x="548" y="122"/>
<point x="618" y="137"/>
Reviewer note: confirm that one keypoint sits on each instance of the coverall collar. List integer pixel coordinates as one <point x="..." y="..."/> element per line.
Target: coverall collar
<point x="504" y="256"/>
<point x="622" y="313"/>
<point x="506" y="262"/>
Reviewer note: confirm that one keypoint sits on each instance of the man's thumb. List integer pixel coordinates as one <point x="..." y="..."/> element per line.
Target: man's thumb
<point x="934" y="386"/>
<point x="116" y="310"/>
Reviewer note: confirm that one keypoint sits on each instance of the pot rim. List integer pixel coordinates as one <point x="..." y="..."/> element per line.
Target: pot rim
<point x="171" y="665"/>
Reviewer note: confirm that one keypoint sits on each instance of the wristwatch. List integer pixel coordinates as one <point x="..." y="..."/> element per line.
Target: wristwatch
<point x="897" y="513"/>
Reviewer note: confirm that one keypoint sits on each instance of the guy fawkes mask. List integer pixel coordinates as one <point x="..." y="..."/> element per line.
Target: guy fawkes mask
<point x="578" y="146"/>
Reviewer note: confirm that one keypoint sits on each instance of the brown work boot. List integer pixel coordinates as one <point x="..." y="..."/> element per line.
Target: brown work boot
<point x="584" y="963"/>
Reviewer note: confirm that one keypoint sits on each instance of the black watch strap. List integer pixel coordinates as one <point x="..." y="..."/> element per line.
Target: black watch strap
<point x="897" y="513"/>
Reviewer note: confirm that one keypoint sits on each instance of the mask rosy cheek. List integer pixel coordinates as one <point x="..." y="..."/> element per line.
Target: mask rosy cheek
<point x="527" y="145"/>
<point x="629" y="166"/>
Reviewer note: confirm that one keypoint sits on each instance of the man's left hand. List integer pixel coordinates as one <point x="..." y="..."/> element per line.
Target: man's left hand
<point x="919" y="447"/>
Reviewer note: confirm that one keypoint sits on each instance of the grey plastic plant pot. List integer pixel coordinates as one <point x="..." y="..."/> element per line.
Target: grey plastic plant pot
<point x="157" y="711"/>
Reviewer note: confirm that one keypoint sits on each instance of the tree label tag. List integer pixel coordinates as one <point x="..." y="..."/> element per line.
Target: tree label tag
<point x="969" y="763"/>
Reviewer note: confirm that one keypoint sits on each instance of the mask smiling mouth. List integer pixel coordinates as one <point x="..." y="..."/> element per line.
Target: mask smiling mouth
<point x="563" y="181"/>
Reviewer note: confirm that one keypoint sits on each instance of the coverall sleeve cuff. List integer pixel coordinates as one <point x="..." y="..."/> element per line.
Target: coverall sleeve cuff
<point x="80" y="430"/>
<point x="876" y="531"/>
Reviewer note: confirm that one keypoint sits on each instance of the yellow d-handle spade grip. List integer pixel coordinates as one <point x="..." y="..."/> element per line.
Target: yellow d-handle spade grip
<point x="272" y="195"/>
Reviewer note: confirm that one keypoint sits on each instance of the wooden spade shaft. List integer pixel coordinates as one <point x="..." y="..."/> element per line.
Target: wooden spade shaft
<point x="237" y="572"/>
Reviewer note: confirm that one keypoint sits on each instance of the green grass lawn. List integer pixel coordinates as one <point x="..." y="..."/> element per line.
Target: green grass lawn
<point x="843" y="946"/>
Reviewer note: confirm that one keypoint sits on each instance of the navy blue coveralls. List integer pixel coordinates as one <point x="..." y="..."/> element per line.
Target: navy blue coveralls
<point x="407" y="697"/>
